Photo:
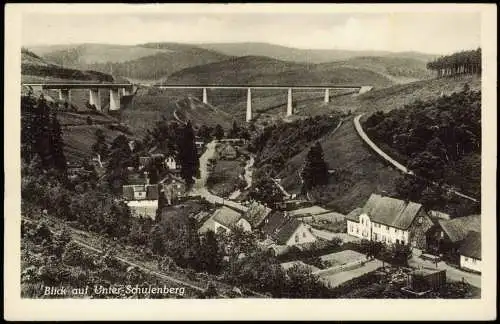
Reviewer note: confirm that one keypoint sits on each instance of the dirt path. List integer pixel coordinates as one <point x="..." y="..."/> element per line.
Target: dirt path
<point x="199" y="187"/>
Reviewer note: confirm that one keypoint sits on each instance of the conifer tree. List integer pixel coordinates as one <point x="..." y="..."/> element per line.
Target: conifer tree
<point x="315" y="170"/>
<point x="188" y="154"/>
<point x="57" y="145"/>
<point x="218" y="132"/>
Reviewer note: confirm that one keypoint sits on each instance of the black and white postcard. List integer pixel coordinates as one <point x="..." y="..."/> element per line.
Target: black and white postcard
<point x="250" y="161"/>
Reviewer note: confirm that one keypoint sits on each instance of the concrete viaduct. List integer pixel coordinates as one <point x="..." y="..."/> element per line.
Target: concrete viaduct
<point x="289" y="109"/>
<point x="117" y="90"/>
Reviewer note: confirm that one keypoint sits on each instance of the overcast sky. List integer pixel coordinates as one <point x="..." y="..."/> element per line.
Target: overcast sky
<point x="438" y="33"/>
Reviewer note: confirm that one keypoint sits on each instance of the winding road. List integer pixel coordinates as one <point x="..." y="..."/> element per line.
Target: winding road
<point x="395" y="163"/>
<point x="199" y="187"/>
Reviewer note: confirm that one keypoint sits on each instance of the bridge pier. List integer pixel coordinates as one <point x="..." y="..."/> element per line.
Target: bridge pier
<point x="289" y="107"/>
<point x="205" y="97"/>
<point x="65" y="95"/>
<point x="249" y="104"/>
<point x="95" y="98"/>
<point x="114" y="99"/>
<point x="130" y="90"/>
<point x="327" y="95"/>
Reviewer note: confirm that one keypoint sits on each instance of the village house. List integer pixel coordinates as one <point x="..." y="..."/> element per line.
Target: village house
<point x="227" y="152"/>
<point x="256" y="214"/>
<point x="391" y="221"/>
<point x="307" y="213"/>
<point x="446" y="236"/>
<point x="171" y="163"/>
<point x="225" y="219"/>
<point x="470" y="252"/>
<point x="199" y="143"/>
<point x="147" y="161"/>
<point x="141" y="199"/>
<point x="173" y="190"/>
<point x="283" y="230"/>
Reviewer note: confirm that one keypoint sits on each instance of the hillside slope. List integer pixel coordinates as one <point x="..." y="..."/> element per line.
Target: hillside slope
<point x="79" y="55"/>
<point x="36" y="69"/>
<point x="150" y="61"/>
<point x="386" y="99"/>
<point x="397" y="69"/>
<point x="78" y="134"/>
<point x="258" y="70"/>
<point x="150" y="105"/>
<point x="302" y="55"/>
<point x="158" y="66"/>
<point x="359" y="171"/>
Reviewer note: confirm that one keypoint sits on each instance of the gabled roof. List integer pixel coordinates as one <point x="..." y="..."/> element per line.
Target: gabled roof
<point x="256" y="213"/>
<point x="226" y="216"/>
<point x="151" y="191"/>
<point x="312" y="210"/>
<point x="273" y="223"/>
<point x="391" y="211"/>
<point x="331" y="217"/>
<point x="458" y="228"/>
<point x="354" y="214"/>
<point x="471" y="246"/>
<point x="287" y="230"/>
<point x="128" y="192"/>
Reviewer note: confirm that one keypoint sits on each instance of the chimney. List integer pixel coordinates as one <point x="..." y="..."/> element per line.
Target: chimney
<point x="146" y="174"/>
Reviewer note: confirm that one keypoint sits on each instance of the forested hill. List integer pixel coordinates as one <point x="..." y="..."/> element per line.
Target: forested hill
<point x="465" y="62"/>
<point x="437" y="139"/>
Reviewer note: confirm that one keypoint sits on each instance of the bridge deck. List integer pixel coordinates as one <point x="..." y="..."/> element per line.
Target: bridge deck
<point x="312" y="87"/>
<point x="79" y="85"/>
<point x="83" y="85"/>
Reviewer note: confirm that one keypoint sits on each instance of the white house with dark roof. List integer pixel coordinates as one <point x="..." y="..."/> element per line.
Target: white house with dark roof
<point x="470" y="252"/>
<point x="225" y="219"/>
<point x="141" y="199"/>
<point x="391" y="221"/>
<point x="284" y="230"/>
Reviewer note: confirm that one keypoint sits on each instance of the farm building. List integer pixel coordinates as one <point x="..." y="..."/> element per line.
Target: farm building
<point x="287" y="231"/>
<point x="470" y="252"/>
<point x="141" y="199"/>
<point x="446" y="236"/>
<point x="257" y="214"/>
<point x="225" y="219"/>
<point x="389" y="220"/>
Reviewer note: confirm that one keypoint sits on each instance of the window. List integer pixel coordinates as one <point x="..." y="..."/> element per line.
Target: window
<point x="466" y="259"/>
<point x="386" y="228"/>
<point x="473" y="260"/>
<point x="402" y="242"/>
<point x="303" y="234"/>
<point x="296" y="238"/>
<point x="375" y="236"/>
